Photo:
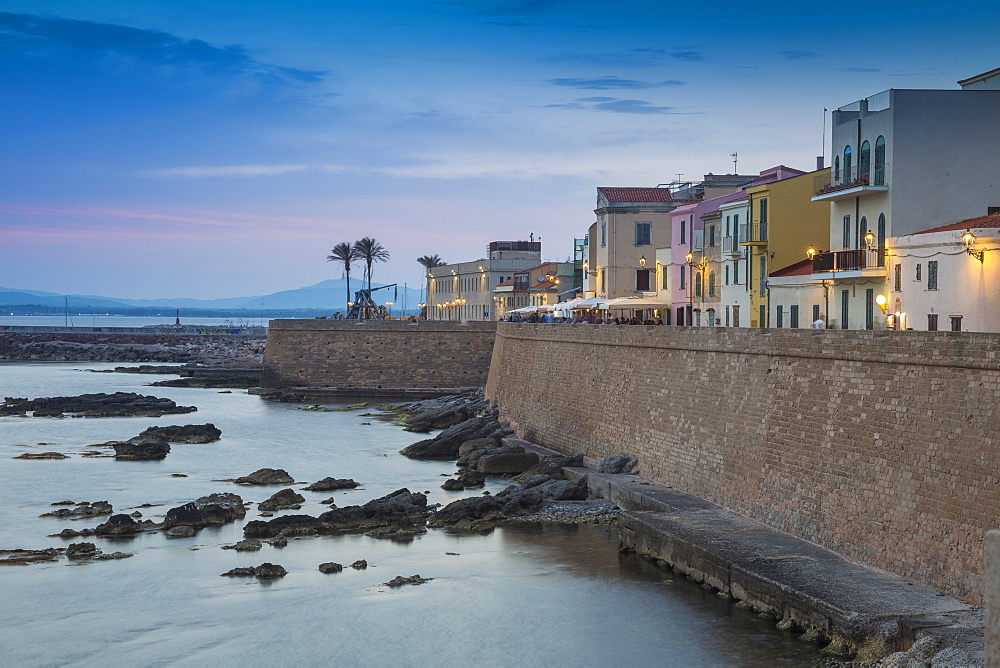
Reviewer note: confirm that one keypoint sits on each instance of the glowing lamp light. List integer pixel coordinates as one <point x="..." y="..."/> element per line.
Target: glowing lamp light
<point x="689" y="257"/>
<point x="869" y="239"/>
<point x="642" y="261"/>
<point x="811" y="253"/>
<point x="881" y="301"/>
<point x="968" y="238"/>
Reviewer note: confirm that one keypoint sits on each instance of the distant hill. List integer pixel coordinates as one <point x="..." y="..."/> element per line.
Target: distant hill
<point x="328" y="295"/>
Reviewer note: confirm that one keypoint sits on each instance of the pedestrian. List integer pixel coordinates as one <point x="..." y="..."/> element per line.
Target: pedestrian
<point x="818" y="323"/>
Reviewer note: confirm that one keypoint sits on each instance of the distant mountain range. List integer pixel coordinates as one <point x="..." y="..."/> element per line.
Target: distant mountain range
<point x="327" y="295"/>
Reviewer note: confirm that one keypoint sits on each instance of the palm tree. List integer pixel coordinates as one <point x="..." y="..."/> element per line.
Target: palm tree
<point x="429" y="262"/>
<point x="370" y="251"/>
<point x="346" y="253"/>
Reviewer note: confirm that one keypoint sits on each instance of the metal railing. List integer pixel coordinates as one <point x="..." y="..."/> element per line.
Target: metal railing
<point x="848" y="260"/>
<point x="753" y="232"/>
<point x="857" y="175"/>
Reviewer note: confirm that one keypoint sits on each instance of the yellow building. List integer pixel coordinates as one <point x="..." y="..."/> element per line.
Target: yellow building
<point x="784" y="223"/>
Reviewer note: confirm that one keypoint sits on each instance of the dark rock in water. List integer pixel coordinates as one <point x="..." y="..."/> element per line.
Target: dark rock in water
<point x="182" y="531"/>
<point x="73" y="533"/>
<point x="48" y="412"/>
<point x="118" y="525"/>
<point x="329" y="502"/>
<point x="81" y="550"/>
<point x="113" y="555"/>
<point x="399" y="507"/>
<point x="360" y="565"/>
<point x="291" y="525"/>
<point x="286" y="498"/>
<point x="42" y="455"/>
<point x="94" y="509"/>
<point x="213" y="510"/>
<point x="400" y="533"/>
<point x="477" y="444"/>
<point x="330" y="484"/>
<point x="506" y="462"/>
<point x="269" y="571"/>
<point x="266" y="477"/>
<point x="266" y="571"/>
<point x="552" y="466"/>
<point x="119" y="404"/>
<point x="189" y="433"/>
<point x="330" y="567"/>
<point x="399" y="581"/>
<point x="25" y="557"/>
<point x="278" y="541"/>
<point x="465" y="479"/>
<point x="245" y="545"/>
<point x="64" y="503"/>
<point x="619" y="464"/>
<point x="141" y="450"/>
<point x="446" y="444"/>
<point x="514" y="500"/>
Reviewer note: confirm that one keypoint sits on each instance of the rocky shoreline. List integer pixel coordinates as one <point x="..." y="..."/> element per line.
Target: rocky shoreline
<point x="207" y="350"/>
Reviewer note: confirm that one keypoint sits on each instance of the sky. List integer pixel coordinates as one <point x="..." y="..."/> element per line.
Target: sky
<point x="182" y="148"/>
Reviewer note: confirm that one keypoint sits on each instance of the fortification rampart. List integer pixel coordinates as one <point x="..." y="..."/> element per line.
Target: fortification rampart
<point x="377" y="355"/>
<point x="882" y="446"/>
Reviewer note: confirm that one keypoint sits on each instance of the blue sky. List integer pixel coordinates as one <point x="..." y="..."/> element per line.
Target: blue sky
<point x="213" y="149"/>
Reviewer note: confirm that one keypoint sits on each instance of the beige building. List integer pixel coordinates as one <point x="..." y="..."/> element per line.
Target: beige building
<point x="631" y="224"/>
<point x="536" y="286"/>
<point x="465" y="291"/>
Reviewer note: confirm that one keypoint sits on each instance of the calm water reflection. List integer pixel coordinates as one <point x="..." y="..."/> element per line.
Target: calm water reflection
<point x="533" y="596"/>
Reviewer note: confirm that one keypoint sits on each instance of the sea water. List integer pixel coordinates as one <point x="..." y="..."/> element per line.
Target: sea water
<point x="551" y="595"/>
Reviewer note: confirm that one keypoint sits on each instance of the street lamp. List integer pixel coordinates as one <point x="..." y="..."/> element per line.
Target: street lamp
<point x="811" y="252"/>
<point x="881" y="301"/>
<point x="969" y="239"/>
<point x="869" y="239"/>
<point x="642" y="261"/>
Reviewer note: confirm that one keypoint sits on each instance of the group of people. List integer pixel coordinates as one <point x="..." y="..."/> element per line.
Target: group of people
<point x="584" y="319"/>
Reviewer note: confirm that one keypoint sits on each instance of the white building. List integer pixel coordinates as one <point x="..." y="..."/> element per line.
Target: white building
<point x="903" y="161"/>
<point x="464" y="291"/>
<point x="947" y="278"/>
<point x="734" y="297"/>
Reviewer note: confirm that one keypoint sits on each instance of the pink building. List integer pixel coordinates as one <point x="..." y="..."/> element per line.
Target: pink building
<point x="688" y="236"/>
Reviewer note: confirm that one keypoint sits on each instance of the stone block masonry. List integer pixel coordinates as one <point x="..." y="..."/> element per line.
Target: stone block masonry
<point x="882" y="446"/>
<point x="382" y="356"/>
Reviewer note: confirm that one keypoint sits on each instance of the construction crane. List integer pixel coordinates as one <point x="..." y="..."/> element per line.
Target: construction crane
<point x="364" y="307"/>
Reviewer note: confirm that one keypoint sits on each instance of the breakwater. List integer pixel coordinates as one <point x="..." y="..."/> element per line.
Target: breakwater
<point x="376" y="356"/>
<point x="878" y="445"/>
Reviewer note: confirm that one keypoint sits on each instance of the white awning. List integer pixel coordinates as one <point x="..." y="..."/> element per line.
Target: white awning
<point x="590" y="302"/>
<point x="632" y="302"/>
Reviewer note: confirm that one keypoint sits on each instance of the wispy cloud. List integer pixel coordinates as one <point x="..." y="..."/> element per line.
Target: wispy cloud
<point x="614" y="83"/>
<point x="637" y="57"/>
<point x="226" y="170"/>
<point x="859" y="69"/>
<point x="613" y="105"/>
<point x="30" y="32"/>
<point x="798" y="55"/>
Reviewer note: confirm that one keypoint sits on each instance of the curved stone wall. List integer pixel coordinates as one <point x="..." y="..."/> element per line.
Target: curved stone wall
<point x="882" y="446"/>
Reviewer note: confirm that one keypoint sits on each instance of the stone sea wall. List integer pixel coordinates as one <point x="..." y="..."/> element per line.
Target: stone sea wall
<point x="882" y="446"/>
<point x="377" y="355"/>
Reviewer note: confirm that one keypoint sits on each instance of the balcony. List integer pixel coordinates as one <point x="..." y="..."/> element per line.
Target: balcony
<point x="753" y="234"/>
<point x="731" y="245"/>
<point x="850" y="263"/>
<point x="854" y="182"/>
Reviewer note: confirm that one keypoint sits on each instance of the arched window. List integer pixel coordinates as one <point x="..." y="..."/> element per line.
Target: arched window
<point x="847" y="165"/>
<point x="865" y="161"/>
<point x="881" y="239"/>
<point x="879" y="161"/>
<point x="711" y="284"/>
<point x="697" y="284"/>
<point x="836" y="169"/>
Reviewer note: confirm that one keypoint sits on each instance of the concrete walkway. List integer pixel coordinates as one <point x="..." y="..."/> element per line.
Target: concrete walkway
<point x="860" y="611"/>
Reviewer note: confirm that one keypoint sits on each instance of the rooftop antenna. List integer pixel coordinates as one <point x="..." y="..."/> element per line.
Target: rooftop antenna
<point x="735" y="157"/>
<point x="531" y="237"/>
<point x="679" y="176"/>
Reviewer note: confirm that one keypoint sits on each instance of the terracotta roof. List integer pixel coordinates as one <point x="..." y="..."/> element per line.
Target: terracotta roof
<point x="509" y="281"/>
<point x="982" y="222"/>
<point x="800" y="268"/>
<point x="543" y="285"/>
<point x="636" y="194"/>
